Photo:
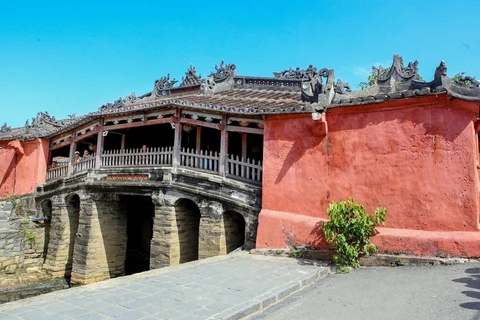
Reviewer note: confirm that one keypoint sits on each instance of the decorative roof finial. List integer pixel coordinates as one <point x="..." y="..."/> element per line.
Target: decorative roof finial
<point x="297" y="74"/>
<point x="223" y="72"/>
<point x="191" y="78"/>
<point x="5" y="128"/>
<point x="163" y="85"/>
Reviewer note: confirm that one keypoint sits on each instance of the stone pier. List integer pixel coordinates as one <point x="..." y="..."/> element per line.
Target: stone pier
<point x="101" y="240"/>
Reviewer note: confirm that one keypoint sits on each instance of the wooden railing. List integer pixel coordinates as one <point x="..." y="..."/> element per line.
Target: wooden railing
<point x="203" y="159"/>
<point x="137" y="158"/>
<point x="57" y="172"/>
<point x="85" y="164"/>
<point x="236" y="167"/>
<point x="244" y="169"/>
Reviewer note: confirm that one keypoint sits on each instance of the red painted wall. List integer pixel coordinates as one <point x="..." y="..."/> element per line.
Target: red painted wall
<point x="415" y="156"/>
<point x="20" y="174"/>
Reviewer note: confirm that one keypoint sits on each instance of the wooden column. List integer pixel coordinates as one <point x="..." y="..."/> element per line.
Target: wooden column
<point x="244" y="146"/>
<point x="199" y="139"/>
<point x="222" y="166"/>
<point x="177" y="141"/>
<point x="73" y="146"/>
<point x="50" y="158"/>
<point x="123" y="142"/>
<point x="100" y="138"/>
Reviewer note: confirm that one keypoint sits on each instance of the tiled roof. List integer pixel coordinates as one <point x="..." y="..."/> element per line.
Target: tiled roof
<point x="290" y="92"/>
<point x="249" y="98"/>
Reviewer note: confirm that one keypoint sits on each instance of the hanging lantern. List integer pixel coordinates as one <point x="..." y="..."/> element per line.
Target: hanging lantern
<point x="187" y="128"/>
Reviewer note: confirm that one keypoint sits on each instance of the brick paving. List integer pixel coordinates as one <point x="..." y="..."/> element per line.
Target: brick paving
<point x="224" y="287"/>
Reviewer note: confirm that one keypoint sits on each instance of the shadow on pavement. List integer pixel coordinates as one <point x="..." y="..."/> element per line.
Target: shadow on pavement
<point x="472" y="282"/>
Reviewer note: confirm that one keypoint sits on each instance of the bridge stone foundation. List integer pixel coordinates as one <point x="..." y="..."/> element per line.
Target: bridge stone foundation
<point x="64" y="223"/>
<point x="192" y="228"/>
<point x="89" y="236"/>
<point x="101" y="239"/>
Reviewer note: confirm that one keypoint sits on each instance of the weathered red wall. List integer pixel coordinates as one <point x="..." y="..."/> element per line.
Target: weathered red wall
<point x="417" y="157"/>
<point x="21" y="174"/>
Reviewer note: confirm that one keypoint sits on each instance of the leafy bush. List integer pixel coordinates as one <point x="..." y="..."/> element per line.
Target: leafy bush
<point x="27" y="231"/>
<point x="17" y="204"/>
<point x="349" y="231"/>
<point x="461" y="79"/>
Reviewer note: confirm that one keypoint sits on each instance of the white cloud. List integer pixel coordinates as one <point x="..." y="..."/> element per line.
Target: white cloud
<point x="361" y="71"/>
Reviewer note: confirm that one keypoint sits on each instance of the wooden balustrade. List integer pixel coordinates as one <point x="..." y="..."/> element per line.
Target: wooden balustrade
<point x="245" y="169"/>
<point x="85" y="164"/>
<point x="203" y="159"/>
<point x="137" y="158"/>
<point x="57" y="172"/>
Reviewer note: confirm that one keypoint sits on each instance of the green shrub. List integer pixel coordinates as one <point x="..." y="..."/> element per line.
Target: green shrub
<point x="349" y="231"/>
<point x="17" y="204"/>
<point x="27" y="231"/>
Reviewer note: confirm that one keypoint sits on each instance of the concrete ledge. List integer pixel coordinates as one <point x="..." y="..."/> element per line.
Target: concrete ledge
<point x="325" y="257"/>
<point x="312" y="254"/>
<point x="386" y="260"/>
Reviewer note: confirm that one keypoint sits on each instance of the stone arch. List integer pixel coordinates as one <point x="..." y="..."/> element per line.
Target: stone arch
<point x="139" y="212"/>
<point x="250" y="218"/>
<point x="72" y="202"/>
<point x="187" y="225"/>
<point x="46" y="213"/>
<point x="233" y="231"/>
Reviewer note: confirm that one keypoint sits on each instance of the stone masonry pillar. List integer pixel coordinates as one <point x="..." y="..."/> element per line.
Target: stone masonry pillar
<point x="210" y="242"/>
<point x="58" y="260"/>
<point x="163" y="226"/>
<point x="101" y="241"/>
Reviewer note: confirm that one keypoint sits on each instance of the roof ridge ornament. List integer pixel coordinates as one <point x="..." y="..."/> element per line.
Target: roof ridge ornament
<point x="397" y="70"/>
<point x="5" y="128"/>
<point x="223" y="72"/>
<point x="191" y="78"/>
<point x="460" y="86"/>
<point x="342" y="87"/>
<point x="316" y="91"/>
<point x="397" y="77"/>
<point x="163" y="85"/>
<point x="297" y="74"/>
<point x="220" y="80"/>
<point x="43" y="119"/>
<point x="130" y="99"/>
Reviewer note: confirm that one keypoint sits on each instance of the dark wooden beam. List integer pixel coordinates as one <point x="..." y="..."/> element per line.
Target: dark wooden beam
<point x="244" y="130"/>
<point x="139" y="124"/>
<point x="200" y="123"/>
<point x="86" y="135"/>
<point x="60" y="145"/>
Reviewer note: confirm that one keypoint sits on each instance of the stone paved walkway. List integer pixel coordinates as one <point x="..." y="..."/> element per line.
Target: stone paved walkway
<point x="225" y="287"/>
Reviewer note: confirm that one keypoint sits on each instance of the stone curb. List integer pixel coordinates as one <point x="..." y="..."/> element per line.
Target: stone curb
<point x="388" y="260"/>
<point x="376" y="260"/>
<point x="265" y="300"/>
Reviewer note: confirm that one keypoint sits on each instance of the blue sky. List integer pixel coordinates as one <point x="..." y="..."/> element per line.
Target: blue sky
<point x="73" y="58"/>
